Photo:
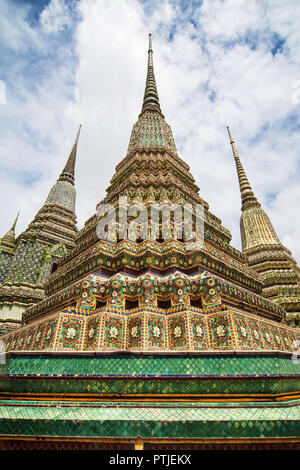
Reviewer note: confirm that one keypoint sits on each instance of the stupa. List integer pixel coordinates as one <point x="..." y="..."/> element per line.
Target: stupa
<point x="152" y="342"/>
<point x="264" y="251"/>
<point x="26" y="261"/>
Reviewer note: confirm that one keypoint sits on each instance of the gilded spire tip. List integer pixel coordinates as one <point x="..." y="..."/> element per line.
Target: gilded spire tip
<point x="247" y="195"/>
<point x="230" y="136"/>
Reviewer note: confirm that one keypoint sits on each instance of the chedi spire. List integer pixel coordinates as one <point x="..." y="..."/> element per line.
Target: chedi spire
<point x="151" y="100"/>
<point x="247" y="195"/>
<point x="68" y="172"/>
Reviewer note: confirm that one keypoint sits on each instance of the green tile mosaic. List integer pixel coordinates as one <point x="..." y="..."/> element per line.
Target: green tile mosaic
<point x="168" y="420"/>
<point x="133" y="365"/>
<point x="143" y="411"/>
<point x="148" y="386"/>
<point x="150" y="375"/>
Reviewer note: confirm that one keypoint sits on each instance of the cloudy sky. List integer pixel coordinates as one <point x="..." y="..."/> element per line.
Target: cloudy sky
<point x="217" y="63"/>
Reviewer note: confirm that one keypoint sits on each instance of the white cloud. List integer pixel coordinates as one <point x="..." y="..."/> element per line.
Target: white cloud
<point x="217" y="70"/>
<point x="229" y="19"/>
<point x="55" y="16"/>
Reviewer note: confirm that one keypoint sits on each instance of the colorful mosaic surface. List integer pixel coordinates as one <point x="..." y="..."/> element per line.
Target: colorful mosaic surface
<point x="149" y="420"/>
<point x="27" y="261"/>
<point x="263" y="249"/>
<point x="147" y="320"/>
<point x="151" y="328"/>
<point x="178" y="287"/>
<point x="151" y="365"/>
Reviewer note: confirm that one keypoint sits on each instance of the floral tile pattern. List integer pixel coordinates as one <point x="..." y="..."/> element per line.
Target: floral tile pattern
<point x="70" y="332"/>
<point x="154" y="329"/>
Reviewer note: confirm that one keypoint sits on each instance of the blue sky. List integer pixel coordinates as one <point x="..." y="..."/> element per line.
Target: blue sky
<point x="217" y="63"/>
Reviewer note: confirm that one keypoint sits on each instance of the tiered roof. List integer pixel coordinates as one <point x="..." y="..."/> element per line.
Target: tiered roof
<point x="265" y="253"/>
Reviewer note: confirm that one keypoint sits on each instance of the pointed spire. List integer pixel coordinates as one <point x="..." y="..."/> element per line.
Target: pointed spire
<point x="69" y="170"/>
<point x="247" y="195"/>
<point x="7" y="242"/>
<point x="151" y="100"/>
<point x="13" y="227"/>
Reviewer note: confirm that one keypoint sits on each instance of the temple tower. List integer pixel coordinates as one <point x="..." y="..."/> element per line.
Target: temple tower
<point x="264" y="251"/>
<point x="152" y="342"/>
<point x="28" y="260"/>
<point x="152" y="171"/>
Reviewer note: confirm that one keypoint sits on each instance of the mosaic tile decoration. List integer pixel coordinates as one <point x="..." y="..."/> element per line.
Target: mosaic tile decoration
<point x="82" y="340"/>
<point x="178" y="328"/>
<point x="136" y="385"/>
<point x="150" y="374"/>
<point x="146" y="287"/>
<point x="113" y="419"/>
<point x="259" y="364"/>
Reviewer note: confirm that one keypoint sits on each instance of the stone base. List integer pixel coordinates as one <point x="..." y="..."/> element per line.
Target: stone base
<point x="167" y="402"/>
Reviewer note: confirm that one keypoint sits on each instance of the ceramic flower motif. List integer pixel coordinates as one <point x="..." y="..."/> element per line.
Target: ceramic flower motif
<point x="91" y="332"/>
<point x="177" y="331"/>
<point x="255" y="334"/>
<point x="156" y="331"/>
<point x="134" y="331"/>
<point x="243" y="331"/>
<point x="220" y="330"/>
<point x="113" y="332"/>
<point x="199" y="331"/>
<point x="71" y="332"/>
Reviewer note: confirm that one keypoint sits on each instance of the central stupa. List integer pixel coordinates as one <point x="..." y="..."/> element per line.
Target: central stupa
<point x="145" y="341"/>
